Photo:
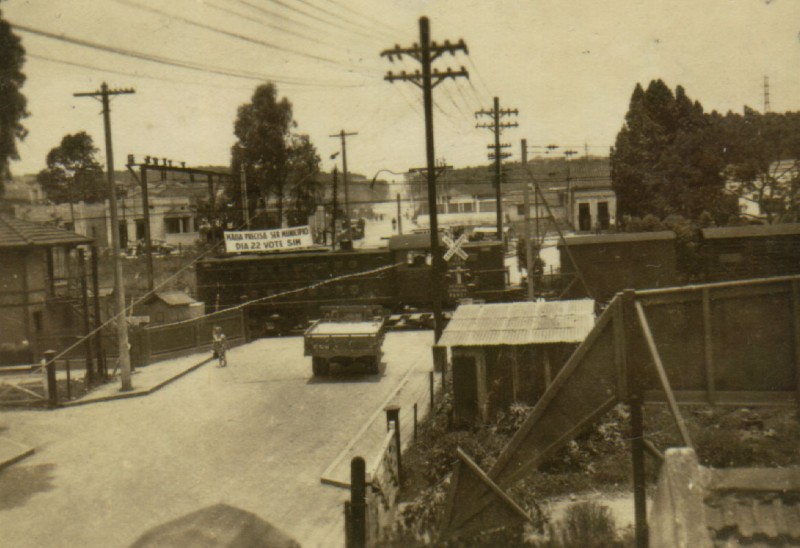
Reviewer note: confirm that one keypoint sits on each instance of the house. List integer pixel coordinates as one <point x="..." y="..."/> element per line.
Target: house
<point x="703" y="507"/>
<point x="40" y="289"/>
<point x="510" y="352"/>
<point x="168" y="307"/>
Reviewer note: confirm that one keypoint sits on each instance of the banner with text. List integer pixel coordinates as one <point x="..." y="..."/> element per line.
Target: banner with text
<point x="274" y="239"/>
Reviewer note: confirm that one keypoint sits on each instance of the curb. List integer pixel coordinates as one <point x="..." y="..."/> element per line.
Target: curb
<point x="25" y="452"/>
<point x="137" y="393"/>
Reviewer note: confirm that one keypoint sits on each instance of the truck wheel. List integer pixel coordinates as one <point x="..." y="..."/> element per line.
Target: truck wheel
<point x="319" y="366"/>
<point x="373" y="365"/>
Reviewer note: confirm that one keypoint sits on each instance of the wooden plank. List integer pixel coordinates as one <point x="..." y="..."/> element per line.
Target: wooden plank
<point x="662" y="375"/>
<point x="708" y="346"/>
<point x="796" y="327"/>
<point x="620" y="358"/>
<point x="732" y="398"/>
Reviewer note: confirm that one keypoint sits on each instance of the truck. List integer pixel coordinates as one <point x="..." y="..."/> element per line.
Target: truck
<point x="347" y="336"/>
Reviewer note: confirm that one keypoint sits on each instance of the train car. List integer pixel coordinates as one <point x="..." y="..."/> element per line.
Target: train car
<point x="613" y="262"/>
<point x="285" y="290"/>
<point x="756" y="251"/>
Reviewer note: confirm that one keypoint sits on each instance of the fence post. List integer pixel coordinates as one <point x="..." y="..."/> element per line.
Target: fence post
<point x="358" y="503"/>
<point x="52" y="388"/>
<point x="69" y="380"/>
<point x="415" y="421"/>
<point x="430" y="378"/>
<point x="393" y="416"/>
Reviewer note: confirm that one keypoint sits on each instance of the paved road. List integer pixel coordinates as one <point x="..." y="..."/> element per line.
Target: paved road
<point x="256" y="435"/>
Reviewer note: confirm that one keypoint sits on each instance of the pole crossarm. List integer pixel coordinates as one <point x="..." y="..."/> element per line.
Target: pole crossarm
<point x="437" y="77"/>
<point x="416" y="52"/>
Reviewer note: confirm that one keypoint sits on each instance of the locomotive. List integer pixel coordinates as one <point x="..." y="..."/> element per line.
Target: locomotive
<point x="282" y="291"/>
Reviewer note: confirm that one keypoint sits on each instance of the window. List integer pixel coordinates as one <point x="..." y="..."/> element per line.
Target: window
<point x="176" y="225"/>
<point x="467" y="207"/>
<point x="520" y="209"/>
<point x="37" y="321"/>
<point x="584" y="217"/>
<point x="603" y="216"/>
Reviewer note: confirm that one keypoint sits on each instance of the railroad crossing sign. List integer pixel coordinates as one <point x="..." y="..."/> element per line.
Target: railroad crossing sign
<point x="454" y="247"/>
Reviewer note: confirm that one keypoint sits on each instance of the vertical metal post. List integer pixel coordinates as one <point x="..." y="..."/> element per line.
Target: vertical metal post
<point x="708" y="347"/>
<point x="98" y="335"/>
<point x="527" y="229"/>
<point x="243" y="190"/>
<point x="635" y="401"/>
<point x="436" y="257"/>
<point x="148" y="242"/>
<point x="393" y="416"/>
<point x="358" y="503"/>
<point x="52" y="387"/>
<point x="399" y="216"/>
<point x="796" y="328"/>
<point x="87" y="341"/>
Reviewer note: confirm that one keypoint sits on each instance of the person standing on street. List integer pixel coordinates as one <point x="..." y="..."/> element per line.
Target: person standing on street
<point x="220" y="345"/>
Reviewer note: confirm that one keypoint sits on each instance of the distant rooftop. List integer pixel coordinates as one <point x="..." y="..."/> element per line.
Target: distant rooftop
<point x="18" y="233"/>
<point x="752" y="231"/>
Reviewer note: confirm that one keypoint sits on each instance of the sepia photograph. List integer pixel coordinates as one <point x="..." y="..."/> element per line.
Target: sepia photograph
<point x="399" y="273"/>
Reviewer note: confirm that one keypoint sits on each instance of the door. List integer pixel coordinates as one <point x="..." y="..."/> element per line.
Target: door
<point x="465" y="389"/>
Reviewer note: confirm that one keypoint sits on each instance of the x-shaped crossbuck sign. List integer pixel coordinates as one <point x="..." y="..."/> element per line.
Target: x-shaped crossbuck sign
<point x="454" y="247"/>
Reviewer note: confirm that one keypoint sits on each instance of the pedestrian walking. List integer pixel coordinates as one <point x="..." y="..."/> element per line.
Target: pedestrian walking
<point x="220" y="345"/>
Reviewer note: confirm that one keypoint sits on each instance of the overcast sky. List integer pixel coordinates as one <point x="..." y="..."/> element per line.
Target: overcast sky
<point x="568" y="66"/>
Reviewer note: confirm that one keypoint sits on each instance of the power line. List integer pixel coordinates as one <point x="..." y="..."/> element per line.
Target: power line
<point x="321" y="19"/>
<point x="267" y="24"/>
<point x="332" y="14"/>
<point x="366" y="17"/>
<point x="235" y="35"/>
<point x="188" y="65"/>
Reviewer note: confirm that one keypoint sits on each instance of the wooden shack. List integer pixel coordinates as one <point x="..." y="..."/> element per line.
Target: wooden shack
<point x="169" y="306"/>
<point x="758" y="251"/>
<point x="510" y="352"/>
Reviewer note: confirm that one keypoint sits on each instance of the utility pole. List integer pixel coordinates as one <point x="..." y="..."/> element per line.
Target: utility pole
<point x="497" y="127"/>
<point x="343" y="136"/>
<point x="119" y="285"/>
<point x="570" y="212"/>
<point x="335" y="206"/>
<point x="425" y="53"/>
<point x="528" y="248"/>
<point x="766" y="95"/>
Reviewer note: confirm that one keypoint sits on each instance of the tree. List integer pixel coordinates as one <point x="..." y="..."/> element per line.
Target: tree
<point x="765" y="160"/>
<point x="668" y="158"/>
<point x="276" y="162"/>
<point x="12" y="103"/>
<point x="73" y="172"/>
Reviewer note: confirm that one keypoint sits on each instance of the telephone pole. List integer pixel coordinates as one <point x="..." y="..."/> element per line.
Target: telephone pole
<point x="497" y="127"/>
<point x="343" y="136"/>
<point x="119" y="285"/>
<point x="426" y="53"/>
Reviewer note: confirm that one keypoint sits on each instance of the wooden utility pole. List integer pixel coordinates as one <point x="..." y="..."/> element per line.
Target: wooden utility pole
<point x="335" y="206"/>
<point x="343" y="136"/>
<point x="425" y="53"/>
<point x="497" y="127"/>
<point x="119" y="285"/>
<point x="245" y="202"/>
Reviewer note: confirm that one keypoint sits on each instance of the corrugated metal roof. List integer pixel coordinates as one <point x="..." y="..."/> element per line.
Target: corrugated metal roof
<point x="618" y="237"/>
<point x="173" y="298"/>
<point x="754" y="504"/>
<point x="21" y="233"/>
<point x="751" y="231"/>
<point x="544" y="322"/>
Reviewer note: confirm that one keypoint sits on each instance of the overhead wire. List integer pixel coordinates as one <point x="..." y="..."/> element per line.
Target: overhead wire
<point x="358" y="26"/>
<point x="188" y="65"/>
<point x="239" y="36"/>
<point x="320" y="19"/>
<point x="367" y="17"/>
<point x="269" y="25"/>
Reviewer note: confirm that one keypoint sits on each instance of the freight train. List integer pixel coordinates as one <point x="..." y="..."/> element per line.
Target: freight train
<point x="610" y="263"/>
<point x="282" y="291"/>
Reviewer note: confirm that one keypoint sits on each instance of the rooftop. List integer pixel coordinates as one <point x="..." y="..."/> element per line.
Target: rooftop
<point x="522" y="323"/>
<point x="752" y="231"/>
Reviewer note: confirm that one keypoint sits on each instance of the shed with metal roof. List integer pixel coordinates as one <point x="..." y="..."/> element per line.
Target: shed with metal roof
<point x="509" y="352"/>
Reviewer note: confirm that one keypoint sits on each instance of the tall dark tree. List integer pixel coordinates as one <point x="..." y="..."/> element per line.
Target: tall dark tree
<point x="73" y="173"/>
<point x="277" y="163"/>
<point x="12" y="103"/>
<point x="668" y="159"/>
